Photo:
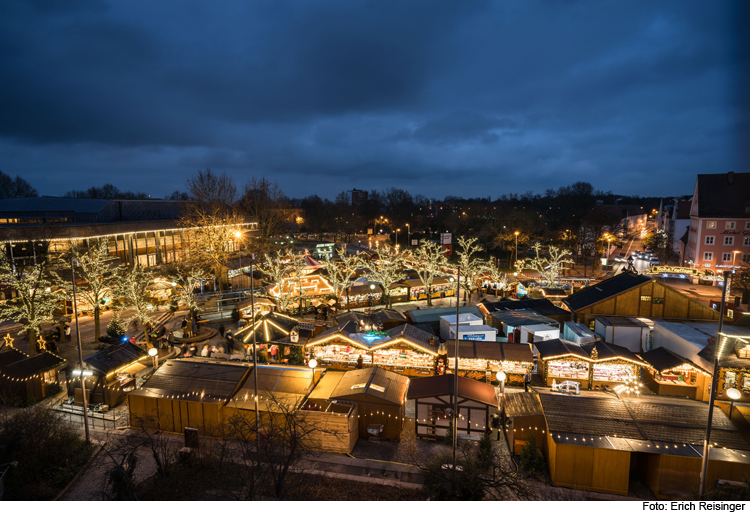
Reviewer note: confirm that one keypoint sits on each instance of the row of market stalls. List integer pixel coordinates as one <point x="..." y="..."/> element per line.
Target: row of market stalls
<point x="25" y="376"/>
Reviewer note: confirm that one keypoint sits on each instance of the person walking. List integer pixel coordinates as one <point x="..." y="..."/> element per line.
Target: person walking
<point x="67" y="332"/>
<point x="221" y="330"/>
<point x="184" y="350"/>
<point x="170" y="341"/>
<point x="230" y="343"/>
<point x="195" y="327"/>
<point x="526" y="381"/>
<point x="183" y="324"/>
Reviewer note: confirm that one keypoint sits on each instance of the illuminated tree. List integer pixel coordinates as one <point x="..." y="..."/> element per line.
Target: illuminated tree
<point x="388" y="269"/>
<point x="494" y="275"/>
<point x="471" y="267"/>
<point x="431" y="259"/>
<point x="37" y="295"/>
<point x="341" y="273"/>
<point x="549" y="267"/>
<point x="279" y="270"/>
<point x="132" y="291"/>
<point x="99" y="273"/>
<point x="186" y="278"/>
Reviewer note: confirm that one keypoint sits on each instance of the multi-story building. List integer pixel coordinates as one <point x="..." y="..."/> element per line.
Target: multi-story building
<point x="719" y="235"/>
<point x="359" y="198"/>
<point x="144" y="232"/>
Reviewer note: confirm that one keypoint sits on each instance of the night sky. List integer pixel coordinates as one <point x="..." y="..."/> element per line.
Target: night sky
<point x="460" y="98"/>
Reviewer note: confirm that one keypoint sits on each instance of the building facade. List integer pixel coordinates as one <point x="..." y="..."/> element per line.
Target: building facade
<point x="719" y="235"/>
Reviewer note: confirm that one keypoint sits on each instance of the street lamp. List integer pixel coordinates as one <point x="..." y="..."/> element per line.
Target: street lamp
<point x="397" y="230"/>
<point x="312" y="363"/>
<point x="734" y="394"/>
<point x="408" y="235"/>
<point x="501" y="376"/>
<point x="238" y="236"/>
<point x="153" y="354"/>
<point x="516" y="234"/>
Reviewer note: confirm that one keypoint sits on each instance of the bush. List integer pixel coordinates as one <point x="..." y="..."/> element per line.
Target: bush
<point x="532" y="459"/>
<point x="115" y="329"/>
<point x="52" y="389"/>
<point x="48" y="450"/>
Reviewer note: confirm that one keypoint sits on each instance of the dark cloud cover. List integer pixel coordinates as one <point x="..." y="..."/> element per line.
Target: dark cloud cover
<point x="438" y="97"/>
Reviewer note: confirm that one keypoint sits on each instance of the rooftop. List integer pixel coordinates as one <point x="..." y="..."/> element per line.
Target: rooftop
<point x="603" y="290"/>
<point x="468" y="388"/>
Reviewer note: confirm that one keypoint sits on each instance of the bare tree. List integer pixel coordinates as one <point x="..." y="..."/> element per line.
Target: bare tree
<point x="471" y="267"/>
<point x="266" y="202"/>
<point x="99" y="273"/>
<point x="210" y="189"/>
<point x="342" y="273"/>
<point x="388" y="269"/>
<point x="549" y="267"/>
<point x="36" y="287"/>
<point x="431" y="259"/>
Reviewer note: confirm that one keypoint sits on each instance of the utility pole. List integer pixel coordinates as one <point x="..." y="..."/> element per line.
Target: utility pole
<point x="714" y="382"/>
<point x="455" y="377"/>
<point x="80" y="355"/>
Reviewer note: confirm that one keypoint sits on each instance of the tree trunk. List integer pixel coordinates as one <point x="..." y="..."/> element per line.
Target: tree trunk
<point x="428" y="291"/>
<point x="97" y="310"/>
<point x="31" y="336"/>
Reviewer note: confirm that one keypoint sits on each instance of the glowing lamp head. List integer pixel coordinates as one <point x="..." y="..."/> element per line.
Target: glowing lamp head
<point x="153" y="352"/>
<point x="313" y="363"/>
<point x="238" y="234"/>
<point x="734" y="393"/>
<point x="501" y="376"/>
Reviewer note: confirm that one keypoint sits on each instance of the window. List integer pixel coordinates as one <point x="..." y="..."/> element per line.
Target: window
<point x="711" y="224"/>
<point x="658" y="301"/>
<point x="726" y="256"/>
<point x="730" y="224"/>
<point x="729" y="240"/>
<point x="710" y="240"/>
<point x="746" y="241"/>
<point x="708" y="256"/>
<point x="747" y="224"/>
<point x="746" y="257"/>
<point x="730" y="314"/>
<point x="645" y="298"/>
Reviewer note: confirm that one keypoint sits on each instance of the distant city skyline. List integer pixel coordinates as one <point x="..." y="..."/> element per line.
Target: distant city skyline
<point x="436" y="98"/>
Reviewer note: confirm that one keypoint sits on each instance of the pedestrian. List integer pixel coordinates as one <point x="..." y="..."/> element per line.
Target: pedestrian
<point x="195" y="327"/>
<point x="230" y="343"/>
<point x="170" y="340"/>
<point x="184" y="350"/>
<point x="360" y="362"/>
<point x="67" y="332"/>
<point x="221" y="330"/>
<point x="148" y="327"/>
<point x="526" y="381"/>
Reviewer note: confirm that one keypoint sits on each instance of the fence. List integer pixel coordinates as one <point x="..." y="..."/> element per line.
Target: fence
<point x="74" y="415"/>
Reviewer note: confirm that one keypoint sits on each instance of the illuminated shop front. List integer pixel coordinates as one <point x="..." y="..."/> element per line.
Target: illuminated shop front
<point x="482" y="360"/>
<point x="670" y="374"/>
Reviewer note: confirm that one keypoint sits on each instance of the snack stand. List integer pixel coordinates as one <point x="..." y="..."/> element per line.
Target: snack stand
<point x="670" y="374"/>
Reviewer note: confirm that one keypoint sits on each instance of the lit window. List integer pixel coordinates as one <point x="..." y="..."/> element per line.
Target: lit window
<point x="729" y="241"/>
<point x="711" y="224"/>
<point x="645" y="298"/>
<point x="730" y="224"/>
<point x="710" y="240"/>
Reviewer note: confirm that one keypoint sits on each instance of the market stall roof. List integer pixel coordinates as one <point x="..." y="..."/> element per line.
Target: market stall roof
<point x="604" y="290"/>
<point x="497" y="351"/>
<point x="440" y="385"/>
<point x="554" y="292"/>
<point x="15" y="364"/>
<point x="607" y="351"/>
<point x="436" y="281"/>
<point x="276" y="385"/>
<point x="379" y="384"/>
<point x="327" y="385"/>
<point x="556" y="348"/>
<point x="433" y="315"/>
<point x="376" y="317"/>
<point x="272" y="327"/>
<point x="621" y="321"/>
<point x="257" y="301"/>
<point x="362" y="289"/>
<point x="194" y="380"/>
<point x="662" y="359"/>
<point x="516" y="318"/>
<point x="541" y="306"/>
<point x="115" y="356"/>
<point x="522" y="404"/>
<point x="372" y="340"/>
<point x="728" y="357"/>
<point x="655" y="420"/>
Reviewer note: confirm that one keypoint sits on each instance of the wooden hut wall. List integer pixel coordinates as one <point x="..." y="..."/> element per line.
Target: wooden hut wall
<point x="589" y="468"/>
<point x="674" y="305"/>
<point x="690" y="392"/>
<point x="524" y="427"/>
<point x="390" y="416"/>
<point x="474" y="417"/>
<point x="673" y="477"/>
<point x="172" y="415"/>
<point x="33" y="388"/>
<point x="333" y="432"/>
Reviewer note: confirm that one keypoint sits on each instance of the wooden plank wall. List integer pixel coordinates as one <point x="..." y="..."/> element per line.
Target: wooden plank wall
<point x="589" y="468"/>
<point x="390" y="416"/>
<point x="676" y="305"/>
<point x="524" y="427"/>
<point x="676" y="477"/>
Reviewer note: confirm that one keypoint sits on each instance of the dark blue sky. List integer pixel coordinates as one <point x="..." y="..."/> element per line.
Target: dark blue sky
<point x="463" y="98"/>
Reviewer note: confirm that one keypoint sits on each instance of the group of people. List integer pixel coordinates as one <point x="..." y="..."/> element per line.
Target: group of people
<point x="191" y="328"/>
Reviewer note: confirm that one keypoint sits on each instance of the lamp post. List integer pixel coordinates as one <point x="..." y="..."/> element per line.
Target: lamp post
<point x="609" y="242"/>
<point x="397" y="230"/>
<point x="501" y="376"/>
<point x="80" y="354"/>
<point x="714" y="382"/>
<point x="734" y="394"/>
<point x="408" y="235"/>
<point x="734" y="256"/>
<point x="153" y="353"/>
<point x="516" y="234"/>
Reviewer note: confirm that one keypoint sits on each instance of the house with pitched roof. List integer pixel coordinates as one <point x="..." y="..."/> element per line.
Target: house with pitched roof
<point x="629" y="294"/>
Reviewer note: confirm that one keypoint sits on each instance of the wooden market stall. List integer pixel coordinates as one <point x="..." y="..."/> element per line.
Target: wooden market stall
<point x="434" y="406"/>
<point x="670" y="374"/>
<point x="441" y="287"/>
<point x="108" y="374"/>
<point x="277" y="336"/>
<point x="404" y="349"/>
<point x="380" y="396"/>
<point x="482" y="360"/>
<point x="186" y="393"/>
<point x="523" y="418"/>
<point x="593" y="365"/>
<point x="601" y="443"/>
<point x="734" y="363"/>
<point x="25" y="376"/>
<point x="380" y="319"/>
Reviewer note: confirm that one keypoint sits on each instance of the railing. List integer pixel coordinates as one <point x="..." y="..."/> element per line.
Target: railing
<point x="74" y="414"/>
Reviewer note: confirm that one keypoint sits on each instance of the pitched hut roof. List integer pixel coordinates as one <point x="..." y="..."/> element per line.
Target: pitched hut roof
<point x="603" y="290"/>
<point x="115" y="357"/>
<point x="440" y="385"/>
<point x="374" y="382"/>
